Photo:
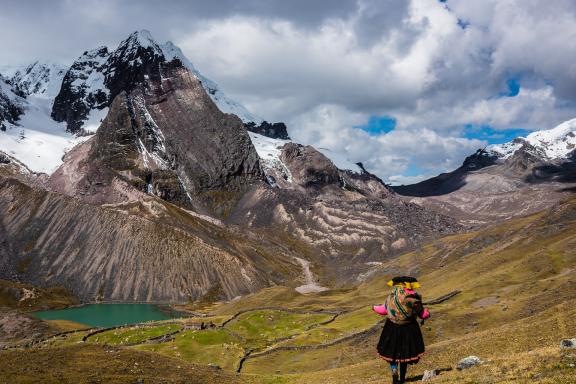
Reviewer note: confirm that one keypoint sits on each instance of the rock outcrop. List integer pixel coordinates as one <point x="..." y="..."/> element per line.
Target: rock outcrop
<point x="308" y="167"/>
<point x="568" y="344"/>
<point x="272" y="130"/>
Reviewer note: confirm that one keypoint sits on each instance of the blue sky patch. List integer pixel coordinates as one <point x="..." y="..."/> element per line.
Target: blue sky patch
<point x="377" y="125"/>
<point x="491" y="135"/>
<point x="513" y="84"/>
<point x="413" y="170"/>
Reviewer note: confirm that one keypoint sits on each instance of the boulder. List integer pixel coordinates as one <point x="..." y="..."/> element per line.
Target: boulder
<point x="568" y="344"/>
<point x="469" y="362"/>
<point x="428" y="375"/>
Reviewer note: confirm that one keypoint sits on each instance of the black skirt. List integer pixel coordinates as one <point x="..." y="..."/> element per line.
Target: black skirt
<point x="401" y="343"/>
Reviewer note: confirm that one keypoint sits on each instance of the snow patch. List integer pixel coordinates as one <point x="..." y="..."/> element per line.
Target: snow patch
<point x="269" y="151"/>
<point x="505" y="150"/>
<point x="95" y="118"/>
<point x="38" y="141"/>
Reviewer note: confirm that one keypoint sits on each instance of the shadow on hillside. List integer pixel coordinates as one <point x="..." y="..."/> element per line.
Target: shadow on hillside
<point x="419" y="377"/>
<point x="562" y="173"/>
<point x="446" y="183"/>
<point x="440" y="185"/>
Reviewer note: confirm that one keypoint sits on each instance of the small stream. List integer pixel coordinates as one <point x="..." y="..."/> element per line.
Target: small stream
<point x="310" y="285"/>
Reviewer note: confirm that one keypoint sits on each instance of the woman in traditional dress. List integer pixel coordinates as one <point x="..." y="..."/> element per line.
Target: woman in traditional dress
<point x="401" y="342"/>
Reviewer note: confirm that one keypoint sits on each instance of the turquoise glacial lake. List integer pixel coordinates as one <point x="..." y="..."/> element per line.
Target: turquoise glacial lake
<point x="110" y="315"/>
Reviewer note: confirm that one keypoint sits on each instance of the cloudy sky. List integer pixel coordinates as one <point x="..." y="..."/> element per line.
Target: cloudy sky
<point x="408" y="87"/>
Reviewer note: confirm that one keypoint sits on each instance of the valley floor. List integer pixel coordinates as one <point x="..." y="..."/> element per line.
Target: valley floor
<point x="517" y="302"/>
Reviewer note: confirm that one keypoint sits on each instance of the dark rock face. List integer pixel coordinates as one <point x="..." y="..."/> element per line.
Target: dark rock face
<point x="115" y="144"/>
<point x="210" y="151"/>
<point x="524" y="159"/>
<point x="274" y="130"/>
<point x="10" y="109"/>
<point x="309" y="168"/>
<point x="132" y="63"/>
<point x="556" y="171"/>
<point x="365" y="183"/>
<point x="129" y="143"/>
<point x="80" y="91"/>
<point x="479" y="160"/>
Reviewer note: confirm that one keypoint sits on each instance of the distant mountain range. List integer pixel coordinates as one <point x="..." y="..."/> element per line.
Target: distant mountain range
<point x="504" y="180"/>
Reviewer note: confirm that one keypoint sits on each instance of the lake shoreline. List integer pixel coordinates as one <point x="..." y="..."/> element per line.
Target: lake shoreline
<point x="111" y="314"/>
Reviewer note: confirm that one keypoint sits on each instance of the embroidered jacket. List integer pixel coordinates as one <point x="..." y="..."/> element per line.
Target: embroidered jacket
<point x="402" y="306"/>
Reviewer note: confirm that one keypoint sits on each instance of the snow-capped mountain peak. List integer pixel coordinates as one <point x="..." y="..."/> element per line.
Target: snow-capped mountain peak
<point x="99" y="75"/>
<point x="555" y="143"/>
<point x="132" y="47"/>
<point x="143" y="38"/>
<point x="45" y="108"/>
<point x="38" y="79"/>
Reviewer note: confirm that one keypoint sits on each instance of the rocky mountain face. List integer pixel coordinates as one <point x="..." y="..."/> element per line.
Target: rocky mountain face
<point x="138" y="251"/>
<point x="189" y="200"/>
<point x="10" y="105"/>
<point x="82" y="90"/>
<point x="165" y="136"/>
<point x="504" y="180"/>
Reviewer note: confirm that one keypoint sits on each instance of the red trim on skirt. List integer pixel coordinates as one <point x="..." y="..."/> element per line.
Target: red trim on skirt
<point x="390" y="360"/>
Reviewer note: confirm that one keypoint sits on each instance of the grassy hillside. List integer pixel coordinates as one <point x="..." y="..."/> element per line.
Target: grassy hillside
<point x="517" y="301"/>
